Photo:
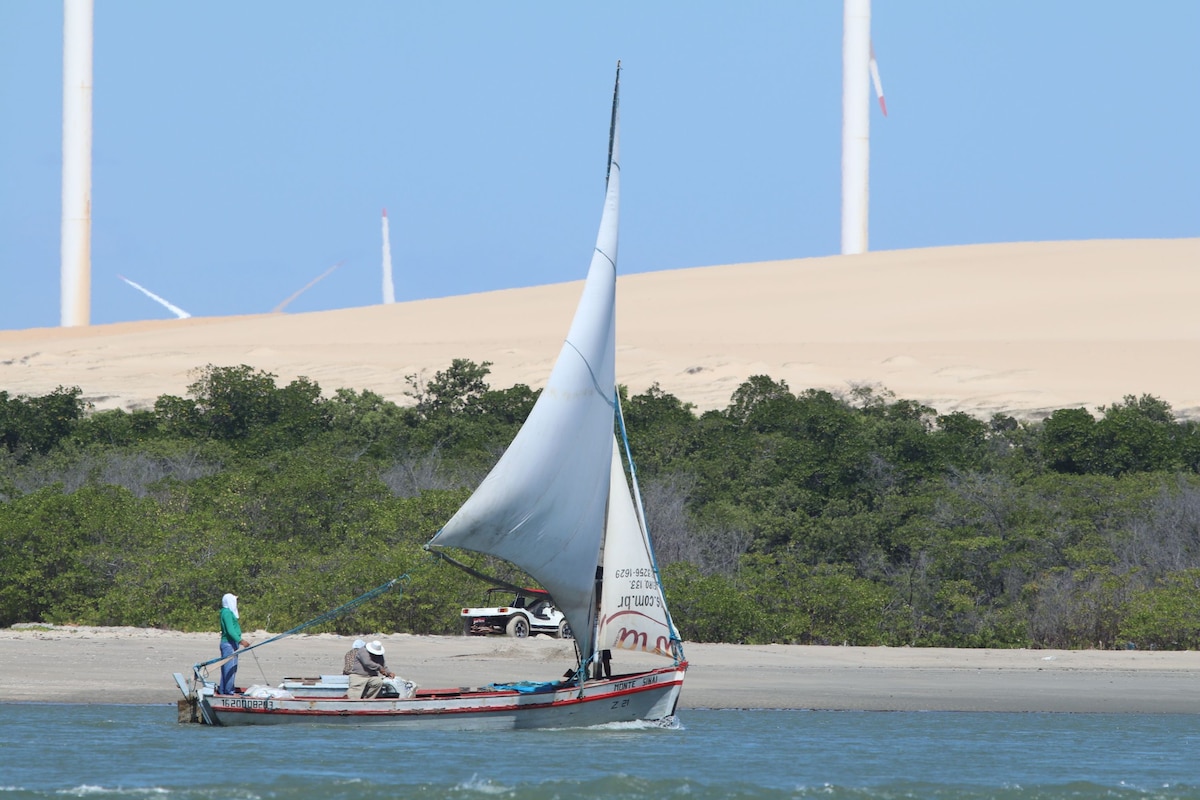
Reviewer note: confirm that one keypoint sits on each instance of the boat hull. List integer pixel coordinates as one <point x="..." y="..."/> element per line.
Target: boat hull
<point x="651" y="695"/>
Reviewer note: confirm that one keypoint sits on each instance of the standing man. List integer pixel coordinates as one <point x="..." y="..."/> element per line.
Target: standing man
<point x="231" y="639"/>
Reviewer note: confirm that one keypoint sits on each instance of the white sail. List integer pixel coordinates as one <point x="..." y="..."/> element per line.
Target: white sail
<point x="542" y="505"/>
<point x="633" y="614"/>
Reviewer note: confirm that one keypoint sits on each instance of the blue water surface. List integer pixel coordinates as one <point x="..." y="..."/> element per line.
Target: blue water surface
<point x="100" y="751"/>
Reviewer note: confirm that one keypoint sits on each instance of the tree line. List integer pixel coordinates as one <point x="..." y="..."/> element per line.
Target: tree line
<point x="792" y="517"/>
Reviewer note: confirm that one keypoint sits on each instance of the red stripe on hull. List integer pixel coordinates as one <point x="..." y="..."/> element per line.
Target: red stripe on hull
<point x="628" y="697"/>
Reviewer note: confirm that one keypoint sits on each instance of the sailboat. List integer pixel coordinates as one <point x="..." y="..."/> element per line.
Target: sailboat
<point x="561" y="506"/>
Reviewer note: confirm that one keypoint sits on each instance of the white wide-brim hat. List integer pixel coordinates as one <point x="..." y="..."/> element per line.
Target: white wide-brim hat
<point x="375" y="648"/>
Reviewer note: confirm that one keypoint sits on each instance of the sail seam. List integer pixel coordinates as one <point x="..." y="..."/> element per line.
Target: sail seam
<point x="608" y="259"/>
<point x="592" y="374"/>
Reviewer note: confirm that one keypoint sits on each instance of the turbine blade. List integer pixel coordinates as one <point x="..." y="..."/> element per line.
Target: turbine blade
<point x="308" y="286"/>
<point x="875" y="80"/>
<point x="174" y="309"/>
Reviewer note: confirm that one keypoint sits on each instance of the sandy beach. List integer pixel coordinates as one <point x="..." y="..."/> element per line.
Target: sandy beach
<point x="133" y="665"/>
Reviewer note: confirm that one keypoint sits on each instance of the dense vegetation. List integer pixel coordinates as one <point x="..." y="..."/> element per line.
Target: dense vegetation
<point x="785" y="517"/>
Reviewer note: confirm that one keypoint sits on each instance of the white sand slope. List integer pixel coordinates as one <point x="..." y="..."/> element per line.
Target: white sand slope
<point x="1020" y="328"/>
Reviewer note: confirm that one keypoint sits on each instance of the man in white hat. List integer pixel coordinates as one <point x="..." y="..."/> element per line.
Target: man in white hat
<point x="367" y="672"/>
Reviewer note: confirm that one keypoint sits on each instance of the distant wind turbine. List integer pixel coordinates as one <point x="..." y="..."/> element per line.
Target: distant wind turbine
<point x="859" y="71"/>
<point x="308" y="286"/>
<point x="389" y="289"/>
<point x="75" y="243"/>
<point x="174" y="309"/>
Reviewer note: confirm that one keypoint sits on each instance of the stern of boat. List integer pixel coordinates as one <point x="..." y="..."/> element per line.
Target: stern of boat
<point x="195" y="706"/>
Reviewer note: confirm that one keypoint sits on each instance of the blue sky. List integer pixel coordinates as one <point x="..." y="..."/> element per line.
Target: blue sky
<point x="241" y="149"/>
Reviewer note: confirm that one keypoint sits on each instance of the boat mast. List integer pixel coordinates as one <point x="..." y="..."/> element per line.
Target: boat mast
<point x="586" y="660"/>
<point x="612" y="125"/>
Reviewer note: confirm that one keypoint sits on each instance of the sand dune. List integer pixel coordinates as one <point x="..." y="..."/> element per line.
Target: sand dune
<point x="1016" y="328"/>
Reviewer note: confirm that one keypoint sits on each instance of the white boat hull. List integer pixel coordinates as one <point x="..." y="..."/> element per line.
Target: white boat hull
<point x="651" y="695"/>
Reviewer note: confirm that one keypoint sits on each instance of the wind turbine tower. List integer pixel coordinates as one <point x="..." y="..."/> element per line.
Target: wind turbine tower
<point x="858" y="72"/>
<point x="389" y="288"/>
<point x="76" y="236"/>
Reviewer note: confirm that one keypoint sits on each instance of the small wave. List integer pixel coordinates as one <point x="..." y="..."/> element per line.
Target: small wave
<point x="666" y="723"/>
<point x="87" y="790"/>
<point x="629" y="787"/>
<point x="940" y="791"/>
<point x="483" y="786"/>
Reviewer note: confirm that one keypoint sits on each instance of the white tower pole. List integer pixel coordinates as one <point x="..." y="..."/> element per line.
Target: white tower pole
<point x="389" y="289"/>
<point x="856" y="124"/>
<point x="76" y="270"/>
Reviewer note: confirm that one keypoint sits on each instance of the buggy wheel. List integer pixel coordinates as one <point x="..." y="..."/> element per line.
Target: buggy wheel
<point x="564" y="630"/>
<point x="518" y="627"/>
<point x="466" y="626"/>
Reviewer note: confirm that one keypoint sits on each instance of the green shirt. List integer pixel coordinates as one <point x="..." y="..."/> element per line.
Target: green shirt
<point x="231" y="631"/>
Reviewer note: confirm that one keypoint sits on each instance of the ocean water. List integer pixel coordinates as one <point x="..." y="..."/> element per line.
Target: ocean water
<point x="122" y="751"/>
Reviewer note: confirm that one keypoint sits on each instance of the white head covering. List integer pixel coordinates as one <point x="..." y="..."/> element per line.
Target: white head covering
<point x="230" y="601"/>
<point x="358" y="644"/>
<point x="375" y="648"/>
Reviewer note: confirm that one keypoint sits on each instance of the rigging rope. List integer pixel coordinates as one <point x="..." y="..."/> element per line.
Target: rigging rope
<point x="492" y="579"/>
<point x="476" y="573"/>
<point x="326" y="617"/>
